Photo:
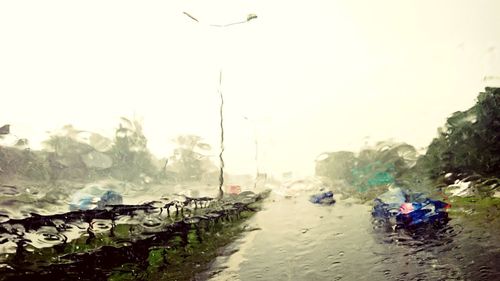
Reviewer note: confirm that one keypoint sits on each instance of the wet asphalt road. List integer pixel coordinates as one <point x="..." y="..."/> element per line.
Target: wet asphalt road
<point x="293" y="239"/>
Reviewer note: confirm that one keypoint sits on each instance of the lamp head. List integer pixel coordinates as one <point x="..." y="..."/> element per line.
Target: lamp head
<point x="251" y="17"/>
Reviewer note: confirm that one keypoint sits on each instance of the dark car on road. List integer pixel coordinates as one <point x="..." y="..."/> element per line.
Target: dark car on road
<point x="403" y="209"/>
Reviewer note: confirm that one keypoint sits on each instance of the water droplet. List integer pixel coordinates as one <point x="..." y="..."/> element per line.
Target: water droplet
<point x="46" y="236"/>
<point x="151" y="221"/>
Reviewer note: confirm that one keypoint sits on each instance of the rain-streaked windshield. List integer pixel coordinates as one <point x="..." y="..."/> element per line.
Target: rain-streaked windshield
<point x="250" y="140"/>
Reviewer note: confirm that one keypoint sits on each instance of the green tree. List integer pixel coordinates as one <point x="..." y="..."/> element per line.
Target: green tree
<point x="336" y="165"/>
<point x="130" y="154"/>
<point x="386" y="162"/>
<point x="470" y="141"/>
<point x="188" y="159"/>
<point x="64" y="154"/>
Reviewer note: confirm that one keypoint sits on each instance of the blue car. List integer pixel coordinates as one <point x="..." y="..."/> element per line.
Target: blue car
<point x="406" y="210"/>
<point x="324" y="198"/>
<point x="84" y="201"/>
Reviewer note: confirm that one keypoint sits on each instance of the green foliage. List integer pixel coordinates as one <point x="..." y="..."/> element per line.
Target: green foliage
<point x="383" y="164"/>
<point x="64" y="159"/>
<point x="130" y="154"/>
<point x="468" y="144"/>
<point x="19" y="161"/>
<point x="188" y="159"/>
<point x="71" y="154"/>
<point x="15" y="162"/>
<point x="481" y="211"/>
<point x="470" y="141"/>
<point x="336" y="165"/>
<point x="74" y="154"/>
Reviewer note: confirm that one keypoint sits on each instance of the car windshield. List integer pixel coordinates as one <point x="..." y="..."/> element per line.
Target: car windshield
<point x="250" y="140"/>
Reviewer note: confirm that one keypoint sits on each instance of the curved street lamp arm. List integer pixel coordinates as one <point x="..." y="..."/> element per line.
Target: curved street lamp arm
<point x="190" y="16"/>
<point x="249" y="18"/>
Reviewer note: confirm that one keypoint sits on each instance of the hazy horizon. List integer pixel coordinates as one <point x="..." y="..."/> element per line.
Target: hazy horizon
<point x="303" y="78"/>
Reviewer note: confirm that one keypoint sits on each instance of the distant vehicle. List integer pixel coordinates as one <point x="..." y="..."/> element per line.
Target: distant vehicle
<point x="234" y="189"/>
<point x="407" y="210"/>
<point x="324" y="198"/>
<point x="95" y="199"/>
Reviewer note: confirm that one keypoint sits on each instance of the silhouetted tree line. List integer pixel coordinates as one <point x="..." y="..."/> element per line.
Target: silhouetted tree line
<point x="469" y="144"/>
<point x="384" y="163"/>
<point x="72" y="154"/>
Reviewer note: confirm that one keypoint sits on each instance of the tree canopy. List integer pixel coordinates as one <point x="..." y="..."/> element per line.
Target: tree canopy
<point x="469" y="143"/>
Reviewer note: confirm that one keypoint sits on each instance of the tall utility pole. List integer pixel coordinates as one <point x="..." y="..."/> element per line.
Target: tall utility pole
<point x="221" y="159"/>
<point x="221" y="174"/>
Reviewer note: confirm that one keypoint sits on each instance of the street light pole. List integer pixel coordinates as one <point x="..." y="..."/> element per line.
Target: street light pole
<point x="221" y="174"/>
<point x="221" y="159"/>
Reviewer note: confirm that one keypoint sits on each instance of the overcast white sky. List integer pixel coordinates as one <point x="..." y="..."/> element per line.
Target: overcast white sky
<point x="312" y="76"/>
